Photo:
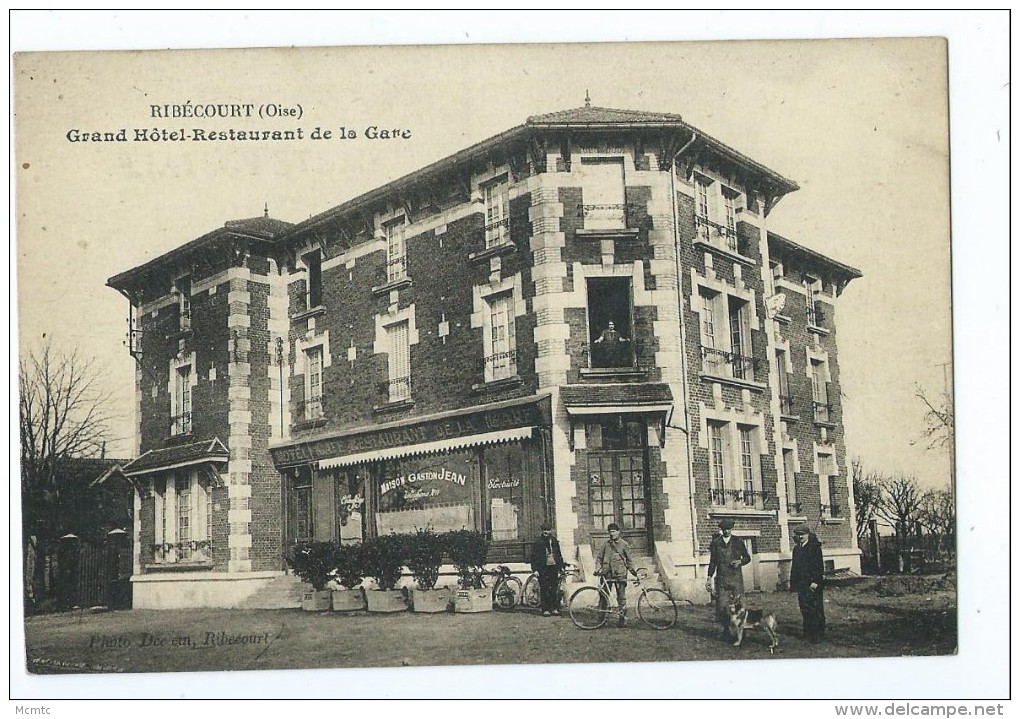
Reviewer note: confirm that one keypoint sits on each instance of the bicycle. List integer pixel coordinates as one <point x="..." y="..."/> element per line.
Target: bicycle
<point x="590" y="607"/>
<point x="508" y="589"/>
<point x="533" y="593"/>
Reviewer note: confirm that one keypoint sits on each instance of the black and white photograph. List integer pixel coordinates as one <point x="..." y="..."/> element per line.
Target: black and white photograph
<point x="621" y="365"/>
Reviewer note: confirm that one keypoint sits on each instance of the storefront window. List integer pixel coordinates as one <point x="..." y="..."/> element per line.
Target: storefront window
<point x="432" y="491"/>
<point x="506" y="469"/>
<point x="350" y="506"/>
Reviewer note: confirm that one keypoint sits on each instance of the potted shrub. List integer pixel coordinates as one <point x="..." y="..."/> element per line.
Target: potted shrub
<point x="467" y="550"/>
<point x="424" y="556"/>
<point x="313" y="563"/>
<point x="350" y="570"/>
<point x="383" y="561"/>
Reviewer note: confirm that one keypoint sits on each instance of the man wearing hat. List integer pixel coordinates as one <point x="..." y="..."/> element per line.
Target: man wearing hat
<point x="807" y="578"/>
<point x="547" y="561"/>
<point x="727" y="557"/>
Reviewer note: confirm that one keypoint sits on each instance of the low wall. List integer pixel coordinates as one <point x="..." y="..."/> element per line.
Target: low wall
<point x="182" y="590"/>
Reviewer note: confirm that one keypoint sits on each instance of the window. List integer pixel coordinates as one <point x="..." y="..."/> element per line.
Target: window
<point x="299" y="509"/>
<point x="603" y="193"/>
<point x="609" y="323"/>
<point x="184" y="302"/>
<point x="501" y="359"/>
<point x="734" y="465"/>
<point x="313" y="383"/>
<point x="396" y="251"/>
<point x="508" y="469"/>
<point x="726" y="351"/>
<point x="180" y="419"/>
<point x="827" y="476"/>
<point x="790" y="482"/>
<point x="715" y="213"/>
<point x="183" y="531"/>
<point x="399" y="384"/>
<point x="497" y="215"/>
<point x="813" y="288"/>
<point x="434" y="490"/>
<point x="313" y="296"/>
<point x="820" y="392"/>
<point x="783" y="377"/>
<point x="777" y="272"/>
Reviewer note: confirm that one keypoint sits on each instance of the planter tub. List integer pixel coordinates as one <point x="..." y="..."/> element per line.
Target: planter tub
<point x="348" y="600"/>
<point x="473" y="600"/>
<point x="431" y="601"/>
<point x="313" y="601"/>
<point x="391" y="600"/>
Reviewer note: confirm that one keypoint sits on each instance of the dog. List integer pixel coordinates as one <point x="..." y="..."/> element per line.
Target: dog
<point x="742" y="618"/>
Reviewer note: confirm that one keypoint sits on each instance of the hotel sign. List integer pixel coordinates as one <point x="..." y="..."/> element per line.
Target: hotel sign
<point x="532" y="413"/>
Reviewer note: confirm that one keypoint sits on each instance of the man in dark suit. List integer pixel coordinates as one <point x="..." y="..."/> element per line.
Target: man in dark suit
<point x="547" y="560"/>
<point x="807" y="578"/>
<point x="727" y="557"/>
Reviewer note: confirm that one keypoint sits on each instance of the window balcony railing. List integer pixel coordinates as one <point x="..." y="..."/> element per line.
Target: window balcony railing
<point x="497" y="233"/>
<point x="308" y="410"/>
<point x="723" y="363"/>
<point x="607" y="217"/>
<point x="500" y="365"/>
<point x="831" y="510"/>
<point x="794" y="508"/>
<point x="823" y="412"/>
<point x="181" y="424"/>
<point x="396" y="269"/>
<point x="185" y="319"/>
<point x="618" y="354"/>
<point x="815" y="315"/>
<point x="194" y="551"/>
<point x="739" y="498"/>
<point x="397" y="389"/>
<point x="785" y="404"/>
<point x="715" y="234"/>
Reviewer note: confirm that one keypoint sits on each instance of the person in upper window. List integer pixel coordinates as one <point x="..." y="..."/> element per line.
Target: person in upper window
<point x="727" y="557"/>
<point x="611" y="345"/>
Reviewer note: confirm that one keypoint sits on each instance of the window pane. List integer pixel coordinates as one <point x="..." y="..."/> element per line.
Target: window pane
<point x="422" y="491"/>
<point x="400" y="362"/>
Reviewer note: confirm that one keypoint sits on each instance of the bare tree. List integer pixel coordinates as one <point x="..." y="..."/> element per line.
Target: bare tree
<point x="867" y="495"/>
<point x="901" y="499"/>
<point x="937" y="513"/>
<point x="63" y="414"/>
<point x="938" y="419"/>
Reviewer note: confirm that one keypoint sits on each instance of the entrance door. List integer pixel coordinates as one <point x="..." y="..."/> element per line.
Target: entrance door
<point x="617" y="493"/>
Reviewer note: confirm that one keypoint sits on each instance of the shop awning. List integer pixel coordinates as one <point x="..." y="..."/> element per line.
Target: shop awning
<point x="185" y="455"/>
<point x="444" y="445"/>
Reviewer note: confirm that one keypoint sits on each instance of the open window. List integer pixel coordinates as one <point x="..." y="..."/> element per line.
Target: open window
<point x="313" y="295"/>
<point x="609" y="322"/>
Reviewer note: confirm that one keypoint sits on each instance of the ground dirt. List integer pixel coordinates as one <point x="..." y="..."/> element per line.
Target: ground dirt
<point x="896" y="616"/>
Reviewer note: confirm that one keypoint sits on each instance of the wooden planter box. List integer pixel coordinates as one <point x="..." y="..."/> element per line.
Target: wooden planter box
<point x="473" y="600"/>
<point x="313" y="601"/>
<point x="348" y="600"/>
<point x="379" y="600"/>
<point x="432" y="601"/>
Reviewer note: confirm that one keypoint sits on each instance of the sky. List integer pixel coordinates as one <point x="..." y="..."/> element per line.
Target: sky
<point x="861" y="126"/>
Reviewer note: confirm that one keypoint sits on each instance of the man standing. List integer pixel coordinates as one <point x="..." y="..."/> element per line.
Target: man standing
<point x="727" y="557"/>
<point x="807" y="578"/>
<point x="613" y="562"/>
<point x="612" y="346"/>
<point x="547" y="560"/>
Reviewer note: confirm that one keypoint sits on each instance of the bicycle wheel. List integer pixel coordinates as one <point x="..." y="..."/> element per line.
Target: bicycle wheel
<point x="656" y="609"/>
<point x="589" y="608"/>
<point x="532" y="593"/>
<point x="508" y="593"/>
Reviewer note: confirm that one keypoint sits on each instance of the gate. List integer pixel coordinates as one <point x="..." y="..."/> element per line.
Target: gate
<point x="95" y="574"/>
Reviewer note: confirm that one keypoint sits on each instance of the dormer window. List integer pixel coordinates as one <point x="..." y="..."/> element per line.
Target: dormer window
<point x="183" y="286"/>
<point x="313" y="263"/>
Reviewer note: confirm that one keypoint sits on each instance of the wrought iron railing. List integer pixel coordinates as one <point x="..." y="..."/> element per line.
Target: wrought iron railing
<point x="397" y="389"/>
<point x="500" y="365"/>
<point x="497" y="233"/>
<point x="794" y="508"/>
<point x="831" y="510"/>
<point x="195" y="550"/>
<point x="721" y="362"/>
<point x="396" y="269"/>
<point x="815" y="316"/>
<point x="619" y="354"/>
<point x="181" y="424"/>
<point x="185" y="319"/>
<point x="714" y="233"/>
<point x="823" y="412"/>
<point x="739" y="498"/>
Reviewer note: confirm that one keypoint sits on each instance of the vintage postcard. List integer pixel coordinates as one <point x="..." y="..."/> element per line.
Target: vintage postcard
<point x="403" y="357"/>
